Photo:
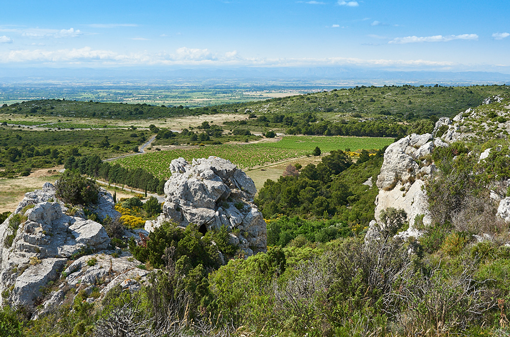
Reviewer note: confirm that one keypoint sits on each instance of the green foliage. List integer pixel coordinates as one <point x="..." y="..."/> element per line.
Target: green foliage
<point x="136" y="177"/>
<point x="14" y="223"/>
<point x="454" y="243"/>
<point x="317" y="151"/>
<point x="74" y="189"/>
<point x="4" y="216"/>
<point x="152" y="206"/>
<point x="335" y="186"/>
<point x="434" y="237"/>
<point x="270" y="134"/>
<point x="284" y="230"/>
<point x="10" y="324"/>
<point x="188" y="242"/>
<point x="27" y="149"/>
<point x="132" y="203"/>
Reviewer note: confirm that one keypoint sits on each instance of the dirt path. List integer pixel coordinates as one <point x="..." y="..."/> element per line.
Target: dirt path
<point x="141" y="150"/>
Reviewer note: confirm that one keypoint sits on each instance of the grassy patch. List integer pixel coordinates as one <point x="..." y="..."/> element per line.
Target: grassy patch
<point x="327" y="144"/>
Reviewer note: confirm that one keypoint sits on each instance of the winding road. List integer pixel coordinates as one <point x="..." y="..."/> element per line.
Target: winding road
<point x="141" y="150"/>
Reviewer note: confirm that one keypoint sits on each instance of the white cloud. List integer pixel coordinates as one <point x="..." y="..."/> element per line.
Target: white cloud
<point x="335" y="26"/>
<point x="112" y="25"/>
<point x="5" y="39"/>
<point x="185" y="53"/>
<point x="315" y="3"/>
<point x="500" y="36"/>
<point x="139" y="39"/>
<point x="435" y="38"/>
<point x="42" y="33"/>
<point x="190" y="56"/>
<point x="68" y="33"/>
<point x="348" y="3"/>
<point x="374" y="36"/>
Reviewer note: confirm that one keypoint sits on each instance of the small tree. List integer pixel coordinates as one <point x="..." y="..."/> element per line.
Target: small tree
<point x="270" y="134"/>
<point x="317" y="151"/>
<point x="152" y="206"/>
<point x="74" y="189"/>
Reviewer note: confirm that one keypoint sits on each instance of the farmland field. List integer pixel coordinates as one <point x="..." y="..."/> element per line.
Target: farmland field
<point x="327" y="144"/>
<point x="251" y="155"/>
<point x="244" y="156"/>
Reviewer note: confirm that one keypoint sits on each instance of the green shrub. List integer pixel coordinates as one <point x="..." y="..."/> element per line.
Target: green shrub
<point x="74" y="189"/>
<point x="4" y="216"/>
<point x="434" y="237"/>
<point x="453" y="243"/>
<point x="188" y="242"/>
<point x="152" y="206"/>
<point x="132" y="202"/>
<point x="10" y="325"/>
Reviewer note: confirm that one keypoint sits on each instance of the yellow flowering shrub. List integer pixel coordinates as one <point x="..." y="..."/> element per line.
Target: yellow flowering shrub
<point x="132" y="221"/>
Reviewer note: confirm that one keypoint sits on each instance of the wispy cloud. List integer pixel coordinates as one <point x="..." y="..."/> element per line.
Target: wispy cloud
<point x="500" y="36"/>
<point x="312" y="2"/>
<point x="379" y="37"/>
<point x="55" y="33"/>
<point x="348" y="3"/>
<point x="435" y="38"/>
<point x="335" y="26"/>
<point x="378" y="23"/>
<point x="139" y="39"/>
<point x="112" y="25"/>
<point x="5" y="39"/>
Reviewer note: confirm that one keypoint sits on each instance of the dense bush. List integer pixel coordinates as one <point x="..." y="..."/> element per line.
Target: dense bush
<point x="74" y="189"/>
<point x="189" y="244"/>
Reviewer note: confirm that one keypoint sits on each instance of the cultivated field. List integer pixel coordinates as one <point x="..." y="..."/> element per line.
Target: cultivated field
<point x="251" y="156"/>
<point x="327" y="144"/>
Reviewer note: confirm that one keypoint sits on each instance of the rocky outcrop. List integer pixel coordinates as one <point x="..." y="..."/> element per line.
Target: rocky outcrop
<point x="38" y="240"/>
<point x="403" y="174"/>
<point x="212" y="193"/>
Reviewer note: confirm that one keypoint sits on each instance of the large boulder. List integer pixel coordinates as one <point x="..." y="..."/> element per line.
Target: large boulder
<point x="212" y="193"/>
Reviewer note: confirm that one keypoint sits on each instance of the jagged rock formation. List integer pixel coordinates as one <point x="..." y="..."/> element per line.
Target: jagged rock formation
<point x="402" y="177"/>
<point x="38" y="240"/>
<point x="212" y="193"/>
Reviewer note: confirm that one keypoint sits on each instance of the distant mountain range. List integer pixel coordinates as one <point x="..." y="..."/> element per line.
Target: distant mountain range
<point x="285" y="76"/>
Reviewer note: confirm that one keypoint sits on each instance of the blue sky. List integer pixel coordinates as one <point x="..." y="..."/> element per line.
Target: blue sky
<point x="405" y="35"/>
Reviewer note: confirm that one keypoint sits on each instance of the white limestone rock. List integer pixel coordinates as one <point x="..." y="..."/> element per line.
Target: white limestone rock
<point x="398" y="164"/>
<point x="413" y="201"/>
<point x="212" y="192"/>
<point x="484" y="155"/>
<point x="504" y="209"/>
<point x="442" y="121"/>
<point x="105" y="206"/>
<point x="28" y="284"/>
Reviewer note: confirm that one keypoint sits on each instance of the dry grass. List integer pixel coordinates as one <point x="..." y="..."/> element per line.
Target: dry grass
<point x="12" y="191"/>
<point x="275" y="171"/>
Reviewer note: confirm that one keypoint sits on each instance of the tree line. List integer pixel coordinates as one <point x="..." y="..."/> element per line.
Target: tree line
<point x="94" y="167"/>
